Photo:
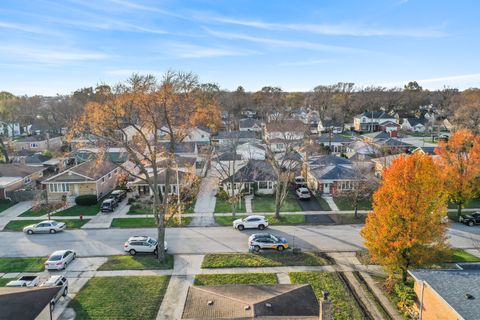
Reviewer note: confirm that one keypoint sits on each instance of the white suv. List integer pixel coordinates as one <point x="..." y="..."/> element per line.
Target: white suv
<point x="251" y="222"/>
<point x="141" y="244"/>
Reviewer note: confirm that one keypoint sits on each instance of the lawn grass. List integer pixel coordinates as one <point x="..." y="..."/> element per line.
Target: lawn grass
<point x="120" y="298"/>
<point x="137" y="262"/>
<point x="348" y="218"/>
<point x="147" y="222"/>
<point x="284" y="219"/>
<point x="263" y="259"/>
<point x="223" y="206"/>
<point x="323" y="204"/>
<point x="79" y="210"/>
<point x="345" y="203"/>
<point x="235" y="278"/>
<point x="18" y="225"/>
<point x="472" y="204"/>
<point x="35" y="213"/>
<point x="459" y="255"/>
<point x="344" y="304"/>
<point x="4" y="281"/>
<point x="136" y="209"/>
<point x="35" y="264"/>
<point x="266" y="203"/>
<point x="5" y="204"/>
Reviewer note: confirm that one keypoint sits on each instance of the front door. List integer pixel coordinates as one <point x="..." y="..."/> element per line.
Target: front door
<point x="326" y="188"/>
<point x="76" y="190"/>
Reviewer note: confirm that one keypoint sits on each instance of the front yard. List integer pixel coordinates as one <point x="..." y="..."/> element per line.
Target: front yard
<point x="263" y="259"/>
<point x="223" y="206"/>
<point x="345" y="203"/>
<point x="79" y="210"/>
<point x="457" y="256"/>
<point x="18" y="225"/>
<point x="5" y="204"/>
<point x="344" y="305"/>
<point x="137" y="262"/>
<point x="35" y="264"/>
<point x="235" y="278"/>
<point x="120" y="298"/>
<point x="147" y="222"/>
<point x="290" y="219"/>
<point x="266" y="203"/>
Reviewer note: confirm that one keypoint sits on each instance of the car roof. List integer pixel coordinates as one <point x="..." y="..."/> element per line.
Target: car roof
<point x="54" y="279"/>
<point x="260" y="235"/>
<point x="107" y="200"/>
<point x="256" y="216"/>
<point x="46" y="221"/>
<point x="138" y="238"/>
<point x="117" y="191"/>
<point x="302" y="189"/>
<point x="58" y="252"/>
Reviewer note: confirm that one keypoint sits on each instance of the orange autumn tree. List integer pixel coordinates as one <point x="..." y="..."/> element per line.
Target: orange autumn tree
<point x="404" y="229"/>
<point x="459" y="162"/>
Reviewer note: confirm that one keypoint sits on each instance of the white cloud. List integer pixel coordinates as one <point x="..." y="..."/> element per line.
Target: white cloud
<point x="49" y="55"/>
<point x="24" y="28"/>
<point x="307" y="62"/>
<point x="460" y="81"/>
<point x="183" y="51"/>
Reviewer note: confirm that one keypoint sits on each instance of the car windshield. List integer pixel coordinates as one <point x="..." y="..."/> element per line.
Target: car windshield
<point x="151" y="241"/>
<point x="54" y="223"/>
<point x="305" y="192"/>
<point x="274" y="238"/>
<point x="55" y="258"/>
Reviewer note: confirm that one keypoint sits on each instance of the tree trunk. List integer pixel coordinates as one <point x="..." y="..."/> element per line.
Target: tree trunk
<point x="459" y="210"/>
<point x="277" y="200"/>
<point x="4" y="151"/>
<point x="404" y="276"/>
<point x="356" y="211"/>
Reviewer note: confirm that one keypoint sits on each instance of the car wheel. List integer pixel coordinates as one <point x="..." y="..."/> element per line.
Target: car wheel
<point x="280" y="248"/>
<point x="240" y="227"/>
<point x="74" y="256"/>
<point x="52" y="231"/>
<point x="470" y="223"/>
<point x="256" y="248"/>
<point x="261" y="227"/>
<point x="65" y="265"/>
<point x="65" y="292"/>
<point x="132" y="252"/>
<point x="30" y="232"/>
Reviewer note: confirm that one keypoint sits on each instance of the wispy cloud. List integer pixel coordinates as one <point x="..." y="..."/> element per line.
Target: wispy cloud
<point x="440" y="80"/>
<point x="49" y="55"/>
<point x="141" y="7"/>
<point x="25" y="28"/>
<point x="307" y="62"/>
<point x="183" y="51"/>
<point x="283" y="43"/>
<point x="342" y="29"/>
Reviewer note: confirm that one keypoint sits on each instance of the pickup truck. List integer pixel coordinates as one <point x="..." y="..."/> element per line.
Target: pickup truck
<point x="24" y="281"/>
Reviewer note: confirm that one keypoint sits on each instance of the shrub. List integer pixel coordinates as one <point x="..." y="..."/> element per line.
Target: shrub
<point x="222" y="195"/>
<point x="406" y="296"/>
<point x="131" y="200"/>
<point x="86" y="200"/>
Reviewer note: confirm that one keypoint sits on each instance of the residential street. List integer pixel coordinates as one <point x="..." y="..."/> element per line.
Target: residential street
<point x="200" y="240"/>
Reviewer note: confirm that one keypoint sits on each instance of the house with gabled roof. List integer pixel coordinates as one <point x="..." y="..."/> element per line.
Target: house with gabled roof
<point x="14" y="176"/>
<point x="255" y="175"/>
<point x="414" y="124"/>
<point x="250" y="124"/>
<point x="372" y="120"/>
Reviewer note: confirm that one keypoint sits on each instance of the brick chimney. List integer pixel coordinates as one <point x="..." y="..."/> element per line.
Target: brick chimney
<point x="325" y="307"/>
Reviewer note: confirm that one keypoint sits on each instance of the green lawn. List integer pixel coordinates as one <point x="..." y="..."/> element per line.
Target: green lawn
<point x="323" y="204"/>
<point x="22" y="264"/>
<point x="235" y="278"/>
<point x="459" y="255"/>
<point x="263" y="259"/>
<point x="345" y="203"/>
<point x="266" y="203"/>
<point x="5" y="204"/>
<point x="348" y="218"/>
<point x="284" y="219"/>
<point x="79" y="210"/>
<point x="147" y="222"/>
<point x="138" y="209"/>
<point x="472" y="204"/>
<point x="35" y="213"/>
<point x="120" y="298"/>
<point x="137" y="262"/>
<point x="18" y="225"/>
<point x="344" y="304"/>
<point x="4" y="281"/>
<point x="223" y="206"/>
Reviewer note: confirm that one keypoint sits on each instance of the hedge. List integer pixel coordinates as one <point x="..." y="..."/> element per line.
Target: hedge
<point x="86" y="200"/>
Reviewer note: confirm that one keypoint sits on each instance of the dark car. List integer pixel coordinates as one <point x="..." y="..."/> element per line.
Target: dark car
<point x="470" y="219"/>
<point x="118" y="195"/>
<point x="108" y="205"/>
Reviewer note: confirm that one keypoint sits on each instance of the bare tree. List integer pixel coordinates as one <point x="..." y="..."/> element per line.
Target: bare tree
<point x="364" y="184"/>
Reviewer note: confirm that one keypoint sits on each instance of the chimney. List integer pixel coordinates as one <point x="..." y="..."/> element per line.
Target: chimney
<point x="325" y="307"/>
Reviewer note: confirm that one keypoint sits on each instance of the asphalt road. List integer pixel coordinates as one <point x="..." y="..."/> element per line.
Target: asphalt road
<point x="200" y="240"/>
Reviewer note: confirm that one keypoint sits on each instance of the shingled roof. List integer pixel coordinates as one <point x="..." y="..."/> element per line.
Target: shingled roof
<point x="281" y="301"/>
<point x="25" y="303"/>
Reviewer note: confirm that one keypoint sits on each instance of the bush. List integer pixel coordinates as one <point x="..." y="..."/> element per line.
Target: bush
<point x="131" y="200"/>
<point x="86" y="200"/>
<point x="222" y="195"/>
<point x="406" y="297"/>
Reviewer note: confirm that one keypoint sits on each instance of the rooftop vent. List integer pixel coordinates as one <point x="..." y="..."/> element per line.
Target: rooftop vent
<point x="268" y="305"/>
<point x="210" y="302"/>
<point x="469" y="296"/>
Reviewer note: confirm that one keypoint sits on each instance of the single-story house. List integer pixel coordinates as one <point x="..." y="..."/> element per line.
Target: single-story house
<point x="14" y="176"/>
<point x="280" y="301"/>
<point x="256" y="175"/>
<point x="90" y="177"/>
<point x="285" y="130"/>
<point x="252" y="150"/>
<point x="198" y="134"/>
<point x="180" y="179"/>
<point x="36" y="159"/>
<point x="328" y="125"/>
<point x="27" y="303"/>
<point x="426" y="150"/>
<point x="233" y="137"/>
<point x="390" y="127"/>
<point x="40" y="142"/>
<point x="250" y="124"/>
<point x="381" y="163"/>
<point x="329" y="174"/>
<point x="338" y="144"/>
<point x="414" y="124"/>
<point x="447" y="294"/>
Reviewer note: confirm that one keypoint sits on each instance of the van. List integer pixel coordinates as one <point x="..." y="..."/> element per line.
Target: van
<point x="108" y="205"/>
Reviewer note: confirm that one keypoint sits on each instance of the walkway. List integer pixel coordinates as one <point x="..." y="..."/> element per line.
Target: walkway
<point x="13" y="212"/>
<point x="103" y="220"/>
<point x="205" y="205"/>
<point x="248" y="203"/>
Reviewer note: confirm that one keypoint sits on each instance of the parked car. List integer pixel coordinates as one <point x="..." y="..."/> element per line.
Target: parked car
<point x="119" y="195"/>
<point x="251" y="222"/>
<point x="108" y="205"/>
<point x="267" y="241"/>
<point x="142" y="244"/>
<point x="24" y="281"/>
<point x="57" y="281"/>
<point x="303" y="193"/>
<point x="60" y="259"/>
<point x="300" y="182"/>
<point x="470" y="219"/>
<point x="47" y="226"/>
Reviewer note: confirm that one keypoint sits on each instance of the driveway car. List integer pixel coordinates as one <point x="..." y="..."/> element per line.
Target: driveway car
<point x="141" y="244"/>
<point x="24" y="281"/>
<point x="251" y="222"/>
<point x="303" y="193"/>
<point x="47" y="226"/>
<point x="267" y="241"/>
<point x="57" y="281"/>
<point x="60" y="259"/>
<point x="300" y="182"/>
<point x="119" y="195"/>
<point x="108" y="205"/>
<point x="470" y="219"/>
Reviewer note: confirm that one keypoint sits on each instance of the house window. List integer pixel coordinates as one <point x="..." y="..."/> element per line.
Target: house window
<point x="103" y="179"/>
<point x="265" y="185"/>
<point x="280" y="145"/>
<point x="27" y="179"/>
<point x="33" y="145"/>
<point x="59" y="187"/>
<point x="109" y="175"/>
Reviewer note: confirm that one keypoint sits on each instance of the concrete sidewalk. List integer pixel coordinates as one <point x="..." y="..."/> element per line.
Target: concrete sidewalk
<point x="13" y="212"/>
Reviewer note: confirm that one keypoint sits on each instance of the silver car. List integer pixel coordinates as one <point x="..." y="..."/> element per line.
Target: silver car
<point x="60" y="259"/>
<point x="47" y="226"/>
<point x="57" y="281"/>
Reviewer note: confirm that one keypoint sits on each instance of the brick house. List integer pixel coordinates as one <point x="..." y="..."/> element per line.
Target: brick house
<point x="18" y="176"/>
<point x="90" y="177"/>
<point x="38" y="143"/>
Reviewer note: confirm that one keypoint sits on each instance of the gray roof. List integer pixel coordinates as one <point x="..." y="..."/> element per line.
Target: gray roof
<point x="248" y="123"/>
<point x="38" y="137"/>
<point x="25" y="303"/>
<point x="426" y="150"/>
<point x="92" y="169"/>
<point x="36" y="158"/>
<point x="17" y="170"/>
<point x="414" y="121"/>
<point x="452" y="286"/>
<point x="328" y="160"/>
<point x="235" y="135"/>
<point x="281" y="301"/>
<point x="375" y="115"/>
<point x="334" y="173"/>
<point x="377" y="135"/>
<point x="180" y="147"/>
<point x="335" y="138"/>
<point x="255" y="170"/>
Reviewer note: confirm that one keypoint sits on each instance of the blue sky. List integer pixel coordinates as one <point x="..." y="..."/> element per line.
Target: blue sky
<point x="49" y="47"/>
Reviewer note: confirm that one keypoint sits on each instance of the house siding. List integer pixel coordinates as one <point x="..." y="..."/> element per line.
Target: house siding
<point x="434" y="307"/>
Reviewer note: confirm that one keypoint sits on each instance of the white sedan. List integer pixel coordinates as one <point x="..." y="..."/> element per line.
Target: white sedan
<point x="60" y="259"/>
<point x="47" y="226"/>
